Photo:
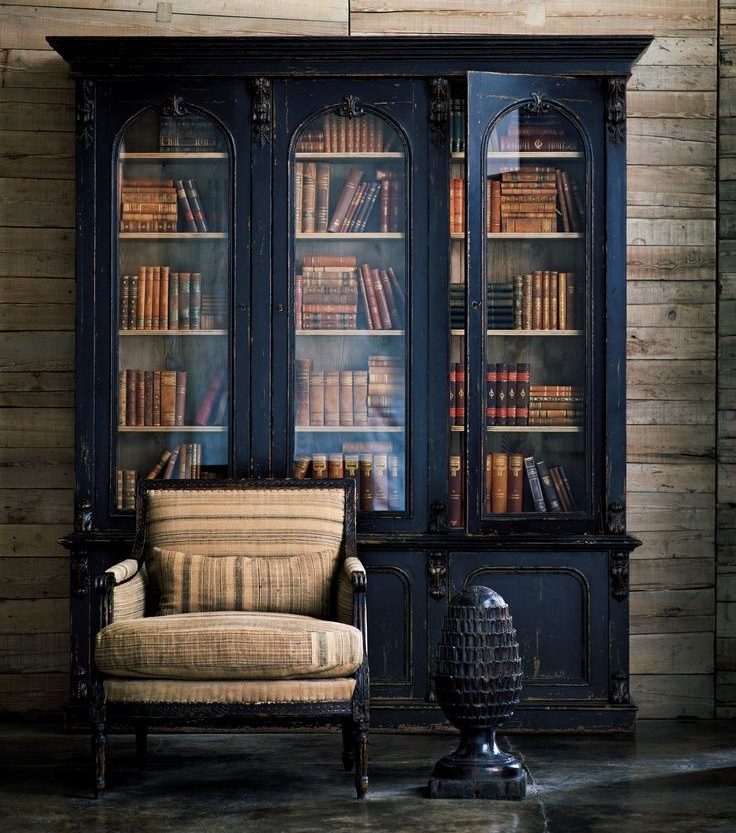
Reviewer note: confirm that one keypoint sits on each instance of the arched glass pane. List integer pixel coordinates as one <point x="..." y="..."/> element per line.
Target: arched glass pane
<point x="350" y="304"/>
<point x="536" y="310"/>
<point x="172" y="289"/>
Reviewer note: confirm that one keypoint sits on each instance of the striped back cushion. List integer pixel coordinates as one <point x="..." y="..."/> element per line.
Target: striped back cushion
<point x="217" y="523"/>
<point x="282" y="584"/>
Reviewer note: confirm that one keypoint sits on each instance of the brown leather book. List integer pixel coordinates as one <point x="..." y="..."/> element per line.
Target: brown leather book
<point x="171" y="464"/>
<point x="130" y="397"/>
<point x="301" y="466"/>
<point x="545" y="300"/>
<point x="352" y="469"/>
<point x="200" y="218"/>
<point x="511" y="396"/>
<point x="354" y="206"/>
<point x="384" y="204"/>
<point x="522" y="394"/>
<point x="370" y="292"/>
<point x="133" y="303"/>
<point x="156" y="397"/>
<point x="385" y="315"/>
<point x="156" y="298"/>
<point x="184" y="299"/>
<point x="323" y="197"/>
<point x="553" y="307"/>
<point x="576" y="220"/>
<point x="529" y="225"/>
<point x="335" y="465"/>
<point x="343" y="201"/>
<point x="207" y="405"/>
<point x="148" y="397"/>
<point x="380" y="483"/>
<point x="301" y="394"/>
<point x="298" y="196"/>
<point x="185" y="206"/>
<point x="516" y="482"/>
<point x="562" y="203"/>
<point x="562" y="301"/>
<point x="452" y="413"/>
<point x="341" y="145"/>
<point x="157" y="469"/>
<point x="388" y="292"/>
<point x="571" y="305"/>
<point x="317" y="261"/>
<point x="317" y="398"/>
<point x="129" y="480"/>
<point x="502" y="389"/>
<point x="495" y="206"/>
<point x="459" y="393"/>
<point x="346" y="397"/>
<point x="148" y="315"/>
<point x="395" y="501"/>
<point x="181" y="472"/>
<point x="332" y="397"/>
<point x="122" y="397"/>
<point x="181" y="396"/>
<point x="309" y="198"/>
<point x="140" y="398"/>
<point x="360" y="397"/>
<point x="487" y="504"/>
<point x="124" y="303"/>
<point x="366" y="482"/>
<point x="500" y="493"/>
<point x="526" y="301"/>
<point x="174" y="301"/>
<point x="537" y="288"/>
<point x="455" y="491"/>
<point x="559" y="488"/>
<point x="163" y="305"/>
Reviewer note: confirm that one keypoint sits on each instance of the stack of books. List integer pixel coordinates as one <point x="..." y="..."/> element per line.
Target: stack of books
<point x="534" y="199"/>
<point x="148" y="205"/>
<point x="214" y="314"/>
<point x="499" y="306"/>
<point x="355" y="204"/>
<point x="504" y="485"/>
<point x="545" y="300"/>
<point x="159" y="299"/>
<point x="332" y="397"/>
<point x="386" y="390"/>
<point x="549" y="487"/>
<point x="556" y="405"/>
<point x="326" y="293"/>
<point x="384" y="301"/>
<point x="178" y="134"/>
<point x="457" y="394"/>
<point x="507" y="394"/>
<point x="342" y="135"/>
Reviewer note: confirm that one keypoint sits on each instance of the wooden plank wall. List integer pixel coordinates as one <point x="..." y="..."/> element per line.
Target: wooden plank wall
<point x="726" y="507"/>
<point x="672" y="296"/>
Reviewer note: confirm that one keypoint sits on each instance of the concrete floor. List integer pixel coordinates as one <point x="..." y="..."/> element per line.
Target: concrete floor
<point x="672" y="777"/>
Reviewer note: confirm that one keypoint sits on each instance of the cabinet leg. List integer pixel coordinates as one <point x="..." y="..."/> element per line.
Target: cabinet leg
<point x="348" y="744"/>
<point x="99" y="754"/>
<point x="361" y="760"/>
<point x="141" y="744"/>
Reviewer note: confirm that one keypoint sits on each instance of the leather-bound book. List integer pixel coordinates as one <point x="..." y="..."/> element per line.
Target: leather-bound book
<point x="319" y="466"/>
<point x="535" y="486"/>
<point x="171" y="464"/>
<point x="298" y="196"/>
<point x="487" y="504"/>
<point x="302" y="372"/>
<point x="553" y="307"/>
<point x="301" y="466"/>
<point x="130" y="396"/>
<point x="352" y="210"/>
<point x="184" y="299"/>
<point x="124" y="303"/>
<point x="576" y="219"/>
<point x="332" y="397"/>
<point x="220" y="417"/>
<point x="366" y="277"/>
<point x="562" y="203"/>
<point x="398" y="294"/>
<point x="383" y="203"/>
<point x="366" y="482"/>
<point x="455" y="491"/>
<point x="181" y="396"/>
<point x="550" y="495"/>
<point x="148" y="397"/>
<point x="385" y="315"/>
<point x="571" y="305"/>
<point x="140" y="398"/>
<point x="491" y="394"/>
<point x="206" y="406"/>
<point x="323" y="197"/>
<point x="148" y="315"/>
<point x="343" y="201"/>
<point x="335" y="465"/>
<point x="156" y="298"/>
<point x="122" y="397"/>
<point x="502" y="386"/>
<point x="346" y="397"/>
<point x="388" y="292"/>
<point x="522" y="394"/>
<point x="452" y="414"/>
<point x="395" y="501"/>
<point x="366" y="308"/>
<point x="516" y="482"/>
<point x="537" y="289"/>
<point x="185" y="207"/>
<point x="181" y="471"/>
<point x="566" y="485"/>
<point x="200" y="218"/>
<point x="156" y="397"/>
<point x="495" y="206"/>
<point x="562" y="301"/>
<point x="195" y="301"/>
<point x="133" y="303"/>
<point x="380" y="483"/>
<point x="360" y="397"/>
<point x="365" y="209"/>
<point x="526" y="301"/>
<point x="163" y="303"/>
<point x="317" y="398"/>
<point x="298" y="301"/>
<point x="158" y="468"/>
<point x="119" y="489"/>
<point x="341" y="145"/>
<point x="554" y="474"/>
<point x="511" y="396"/>
<point x="309" y="198"/>
<point x="129" y="480"/>
<point x="500" y="491"/>
<point x="545" y="300"/>
<point x="459" y="393"/>
<point x="394" y="205"/>
<point x="174" y="301"/>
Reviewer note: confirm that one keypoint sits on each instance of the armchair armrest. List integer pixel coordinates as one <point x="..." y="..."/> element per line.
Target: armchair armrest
<point x="351" y="590"/>
<point x="123" y="592"/>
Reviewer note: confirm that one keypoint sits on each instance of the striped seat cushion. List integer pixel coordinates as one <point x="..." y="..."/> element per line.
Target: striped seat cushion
<point x="298" y="584"/>
<point x="229" y="646"/>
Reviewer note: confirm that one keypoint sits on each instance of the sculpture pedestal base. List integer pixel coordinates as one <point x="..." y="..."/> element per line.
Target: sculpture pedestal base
<point x="478" y="769"/>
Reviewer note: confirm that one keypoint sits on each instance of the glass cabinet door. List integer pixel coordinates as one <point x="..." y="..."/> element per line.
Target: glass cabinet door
<point x="350" y="297"/>
<point x="532" y="291"/>
<point x="172" y="286"/>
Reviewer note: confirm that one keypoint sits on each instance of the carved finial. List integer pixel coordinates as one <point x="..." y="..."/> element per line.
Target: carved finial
<point x="437" y="574"/>
<point x="619" y="689"/>
<point x="616" y="110"/>
<point x="350" y="108"/>
<point x="537" y="105"/>
<point x="439" y="111"/>
<point x="620" y="575"/>
<point x="617" y="517"/>
<point x="262" y="110"/>
<point x="83" y="516"/>
<point x="86" y="112"/>
<point x="175" y="107"/>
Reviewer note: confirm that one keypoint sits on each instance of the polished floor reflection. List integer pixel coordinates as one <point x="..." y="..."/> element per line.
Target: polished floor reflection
<point x="672" y="777"/>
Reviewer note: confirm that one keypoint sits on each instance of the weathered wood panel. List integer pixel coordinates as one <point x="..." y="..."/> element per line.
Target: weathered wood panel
<point x="673" y="695"/>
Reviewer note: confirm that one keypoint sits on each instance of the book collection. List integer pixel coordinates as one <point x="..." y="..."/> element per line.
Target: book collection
<point x="190" y="134"/>
<point x="355" y="203"/>
<point x="513" y="400"/>
<point x="327" y="289"/>
<point x="342" y="135"/>
<point x="457" y="125"/>
<point x="345" y="398"/>
<point x="457" y="205"/>
<point x="378" y="474"/>
<point x="534" y="199"/>
<point x="183" y="461"/>
<point x="538" y="300"/>
<point x="545" y="133"/>
<point x="168" y="205"/>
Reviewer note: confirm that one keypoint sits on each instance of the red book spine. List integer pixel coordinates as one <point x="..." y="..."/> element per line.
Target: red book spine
<point x="390" y="299"/>
<point x="502" y="383"/>
<point x="453" y="383"/>
<point x="186" y="208"/>
<point x="140" y="398"/>
<point x="367" y="283"/>
<point x="148" y="397"/>
<point x="495" y="224"/>
<point x="491" y="393"/>
<point x="511" y="396"/>
<point x="196" y="207"/>
<point x="459" y="394"/>
<point x="385" y="316"/>
<point x="522" y="394"/>
<point x="204" y="411"/>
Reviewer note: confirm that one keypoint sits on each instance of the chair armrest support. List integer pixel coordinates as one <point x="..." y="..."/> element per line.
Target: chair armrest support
<point x="122" y="591"/>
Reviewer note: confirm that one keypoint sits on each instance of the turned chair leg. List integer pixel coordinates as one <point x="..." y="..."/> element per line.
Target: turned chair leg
<point x="348" y="744"/>
<point x="361" y="759"/>
<point x="141" y="744"/>
<point x="99" y="754"/>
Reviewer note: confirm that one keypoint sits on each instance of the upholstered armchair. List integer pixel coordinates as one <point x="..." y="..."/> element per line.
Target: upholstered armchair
<point x="243" y="604"/>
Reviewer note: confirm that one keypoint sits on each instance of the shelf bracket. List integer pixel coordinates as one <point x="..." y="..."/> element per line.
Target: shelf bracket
<point x="86" y="112"/>
<point x="616" y="110"/>
<point x="616" y="517"/>
<point x="620" y="575"/>
<point x="439" y="111"/>
<point x="438" y="523"/>
<point x="437" y="574"/>
<point x="262" y="109"/>
<point x="83" y="518"/>
<point x="618" y="691"/>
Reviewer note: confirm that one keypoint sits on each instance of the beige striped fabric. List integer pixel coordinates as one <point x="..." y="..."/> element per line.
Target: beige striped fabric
<point x="128" y="598"/>
<point x="292" y="584"/>
<point x="229" y="646"/>
<point x="229" y="691"/>
<point x="254" y="522"/>
<point x="345" y="589"/>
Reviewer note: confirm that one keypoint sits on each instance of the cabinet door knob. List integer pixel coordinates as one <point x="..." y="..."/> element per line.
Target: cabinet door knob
<point x="242" y="307"/>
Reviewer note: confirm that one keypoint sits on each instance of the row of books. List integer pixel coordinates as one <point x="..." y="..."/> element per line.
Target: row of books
<point x="354" y="208"/>
<point x="338" y="134"/>
<point x="457" y="125"/>
<point x="155" y="205"/>
<point x="344" y="398"/>
<point x="457" y="205"/>
<point x="534" y="199"/>
<point x="326" y="296"/>
<point x="378" y="476"/>
<point x="188" y="133"/>
<point x="183" y="461"/>
<point x="544" y="133"/>
<point x="538" y="300"/>
<point x="159" y="299"/>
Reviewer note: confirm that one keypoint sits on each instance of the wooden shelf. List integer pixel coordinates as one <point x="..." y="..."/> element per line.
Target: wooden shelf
<point x="351" y="235"/>
<point x="535" y="429"/>
<point x="524" y="333"/>
<point x="389" y="154"/>
<point x="172" y="332"/>
<point x="526" y="235"/>
<point x="159" y="156"/>
<point x="172" y="235"/>
<point x="172" y="429"/>
<point x="349" y="333"/>
<point x="352" y="429"/>
<point x="526" y="154"/>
